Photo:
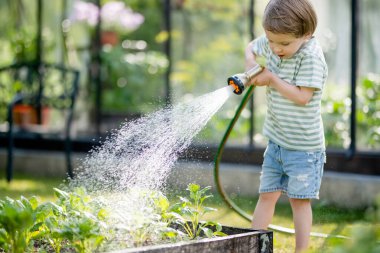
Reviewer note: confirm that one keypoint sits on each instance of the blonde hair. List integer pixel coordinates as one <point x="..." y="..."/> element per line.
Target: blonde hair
<point x="296" y="17"/>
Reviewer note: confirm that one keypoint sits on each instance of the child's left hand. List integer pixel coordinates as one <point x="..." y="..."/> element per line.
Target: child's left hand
<point x="263" y="79"/>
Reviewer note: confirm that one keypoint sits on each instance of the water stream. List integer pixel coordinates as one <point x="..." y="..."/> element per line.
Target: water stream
<point x="142" y="152"/>
<point x="137" y="159"/>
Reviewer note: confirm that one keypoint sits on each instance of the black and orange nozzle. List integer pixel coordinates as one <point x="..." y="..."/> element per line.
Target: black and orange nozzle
<point x="239" y="81"/>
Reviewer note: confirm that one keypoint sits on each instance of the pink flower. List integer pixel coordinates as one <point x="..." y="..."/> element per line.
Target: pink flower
<point x="85" y="12"/>
<point x="115" y="16"/>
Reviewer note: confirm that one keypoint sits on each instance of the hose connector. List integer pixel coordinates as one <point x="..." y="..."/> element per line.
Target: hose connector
<point x="239" y="81"/>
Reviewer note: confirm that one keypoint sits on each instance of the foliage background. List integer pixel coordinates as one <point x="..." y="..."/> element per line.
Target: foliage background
<point x="208" y="39"/>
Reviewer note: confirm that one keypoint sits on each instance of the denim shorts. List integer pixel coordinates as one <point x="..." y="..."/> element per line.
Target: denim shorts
<point x="297" y="173"/>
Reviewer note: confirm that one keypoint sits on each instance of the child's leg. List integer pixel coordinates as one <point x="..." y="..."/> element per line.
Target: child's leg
<point x="303" y="219"/>
<point x="265" y="209"/>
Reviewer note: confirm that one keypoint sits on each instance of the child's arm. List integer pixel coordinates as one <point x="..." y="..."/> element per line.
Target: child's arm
<point x="297" y="94"/>
<point x="250" y="59"/>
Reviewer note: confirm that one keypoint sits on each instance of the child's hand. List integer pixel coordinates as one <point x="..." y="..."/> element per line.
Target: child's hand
<point x="263" y="79"/>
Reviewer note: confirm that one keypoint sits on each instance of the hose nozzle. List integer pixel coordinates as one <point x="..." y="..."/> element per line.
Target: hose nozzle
<point x="239" y="81"/>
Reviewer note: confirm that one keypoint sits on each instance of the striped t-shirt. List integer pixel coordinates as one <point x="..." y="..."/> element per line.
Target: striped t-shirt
<point x="287" y="124"/>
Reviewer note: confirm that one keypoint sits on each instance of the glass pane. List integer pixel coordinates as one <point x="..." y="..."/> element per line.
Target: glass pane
<point x="368" y="85"/>
<point x="209" y="38"/>
<point x="334" y="30"/>
<point x="133" y="62"/>
<point x="18" y="31"/>
<point x="260" y="106"/>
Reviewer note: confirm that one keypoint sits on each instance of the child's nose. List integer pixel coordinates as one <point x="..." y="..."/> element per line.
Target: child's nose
<point x="277" y="50"/>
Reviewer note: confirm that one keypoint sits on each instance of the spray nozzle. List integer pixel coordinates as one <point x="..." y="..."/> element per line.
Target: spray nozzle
<point x="239" y="81"/>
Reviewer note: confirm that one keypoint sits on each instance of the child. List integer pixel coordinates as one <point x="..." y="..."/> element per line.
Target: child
<point x="294" y="77"/>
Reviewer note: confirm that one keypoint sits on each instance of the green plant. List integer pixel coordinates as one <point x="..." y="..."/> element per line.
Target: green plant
<point x="188" y="213"/>
<point x="17" y="217"/>
<point x="77" y="219"/>
<point x="365" y="237"/>
<point x="337" y="109"/>
<point x="9" y="89"/>
<point x="336" y="114"/>
<point x="73" y="221"/>
<point x="133" y="80"/>
<point x="368" y="113"/>
<point x="150" y="222"/>
<point x="163" y="208"/>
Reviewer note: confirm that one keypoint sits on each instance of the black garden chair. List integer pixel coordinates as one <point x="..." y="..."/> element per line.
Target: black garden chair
<point x="33" y="93"/>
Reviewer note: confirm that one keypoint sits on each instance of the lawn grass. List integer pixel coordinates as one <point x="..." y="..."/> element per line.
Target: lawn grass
<point x="28" y="186"/>
<point x="327" y="219"/>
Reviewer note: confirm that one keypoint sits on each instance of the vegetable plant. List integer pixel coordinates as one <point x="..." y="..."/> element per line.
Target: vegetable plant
<point x="189" y="211"/>
<point x="150" y="222"/>
<point x="17" y="217"/>
<point x="75" y="222"/>
<point x="76" y="219"/>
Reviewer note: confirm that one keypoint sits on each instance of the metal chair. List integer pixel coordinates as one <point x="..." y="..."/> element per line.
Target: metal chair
<point x="33" y="89"/>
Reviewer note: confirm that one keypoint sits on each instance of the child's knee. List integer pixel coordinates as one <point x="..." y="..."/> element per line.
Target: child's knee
<point x="300" y="202"/>
<point x="270" y="196"/>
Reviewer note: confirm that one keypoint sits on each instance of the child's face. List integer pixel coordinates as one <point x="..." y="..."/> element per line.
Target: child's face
<point x="285" y="45"/>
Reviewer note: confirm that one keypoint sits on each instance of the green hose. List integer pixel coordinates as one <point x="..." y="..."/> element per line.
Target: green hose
<point x="218" y="184"/>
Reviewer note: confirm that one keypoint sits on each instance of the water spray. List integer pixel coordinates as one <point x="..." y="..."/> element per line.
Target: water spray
<point x="239" y="82"/>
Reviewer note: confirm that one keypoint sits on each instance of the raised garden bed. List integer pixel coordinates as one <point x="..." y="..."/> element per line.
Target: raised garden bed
<point x="238" y="241"/>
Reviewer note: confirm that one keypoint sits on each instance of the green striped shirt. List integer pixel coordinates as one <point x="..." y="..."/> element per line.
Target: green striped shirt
<point x="287" y="124"/>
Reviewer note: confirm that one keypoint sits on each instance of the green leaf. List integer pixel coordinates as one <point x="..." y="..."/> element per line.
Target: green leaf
<point x="184" y="200"/>
<point x="193" y="187"/>
<point x="208" y="232"/>
<point x="209" y="209"/>
<point x="219" y="233"/>
<point x="42" y="211"/>
<point x="163" y="203"/>
<point x="61" y="194"/>
<point x="102" y="214"/>
<point x="171" y="234"/>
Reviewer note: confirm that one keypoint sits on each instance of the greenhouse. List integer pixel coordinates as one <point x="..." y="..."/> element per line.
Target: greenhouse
<point x="120" y="130"/>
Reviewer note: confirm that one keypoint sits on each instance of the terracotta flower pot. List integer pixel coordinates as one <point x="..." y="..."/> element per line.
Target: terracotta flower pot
<point x="26" y="115"/>
<point x="109" y="37"/>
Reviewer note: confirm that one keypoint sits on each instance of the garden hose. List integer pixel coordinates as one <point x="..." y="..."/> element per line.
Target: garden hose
<point x="224" y="195"/>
